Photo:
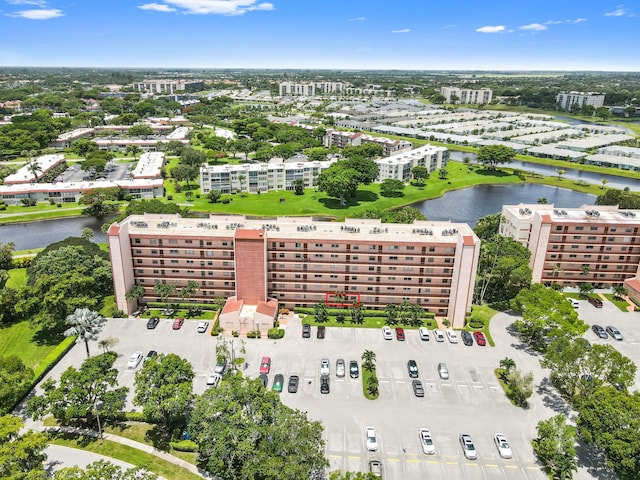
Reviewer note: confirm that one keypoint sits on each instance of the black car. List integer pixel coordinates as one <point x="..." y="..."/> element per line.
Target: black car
<point x="264" y="379"/>
<point x="599" y="331"/>
<point x="294" y="380"/>
<point x="306" y="330"/>
<point x="467" y="338"/>
<point x="321" y="331"/>
<point x="150" y="355"/>
<point x="153" y="323"/>
<point x="412" y="367"/>
<point x="354" y="371"/>
<point x="324" y="384"/>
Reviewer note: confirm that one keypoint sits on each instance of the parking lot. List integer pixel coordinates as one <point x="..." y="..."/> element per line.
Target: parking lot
<point x="114" y="171"/>
<point x="470" y="401"/>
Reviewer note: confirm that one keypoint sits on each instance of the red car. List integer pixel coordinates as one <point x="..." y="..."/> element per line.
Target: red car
<point x="480" y="340"/>
<point x="400" y="334"/>
<point x="265" y="365"/>
<point x="177" y="323"/>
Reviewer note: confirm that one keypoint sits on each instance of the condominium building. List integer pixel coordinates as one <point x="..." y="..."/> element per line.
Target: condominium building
<point x="565" y="100"/>
<point x="466" y="95"/>
<point x="33" y="173"/>
<point x="168" y="86"/>
<point x="309" y="89"/>
<point x="258" y="265"/>
<point x="596" y="244"/>
<point x="342" y="139"/>
<point x="400" y="165"/>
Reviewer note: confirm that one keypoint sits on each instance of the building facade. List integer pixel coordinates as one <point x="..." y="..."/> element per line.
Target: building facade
<point x="298" y="262"/>
<point x="168" y="86"/>
<point x="309" y="89"/>
<point x="466" y="95"/>
<point x="565" y="100"/>
<point x="595" y="244"/>
<point x="342" y="139"/>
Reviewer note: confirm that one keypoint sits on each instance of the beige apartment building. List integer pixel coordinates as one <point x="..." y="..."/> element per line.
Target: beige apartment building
<point x="262" y="265"/>
<point x="466" y="95"/>
<point x="596" y="244"/>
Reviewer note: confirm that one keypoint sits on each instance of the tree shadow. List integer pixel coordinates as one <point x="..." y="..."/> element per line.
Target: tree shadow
<point x="158" y="438"/>
<point x="593" y="459"/>
<point x="551" y="398"/>
<point x="47" y="337"/>
<point x="362" y="196"/>
<point x="492" y="173"/>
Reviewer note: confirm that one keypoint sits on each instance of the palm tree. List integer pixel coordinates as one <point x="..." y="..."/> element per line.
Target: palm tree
<point x="86" y="324"/>
<point x="392" y="313"/>
<point x="368" y="360"/>
<point x="585" y="270"/>
<point x="604" y="182"/>
<point x="32" y="164"/>
<point x="619" y="291"/>
<point x="507" y="364"/>
<point x="560" y="172"/>
<point x="372" y="385"/>
<point x="136" y="292"/>
<point x="321" y="312"/>
<point x="133" y="150"/>
<point x="107" y="343"/>
<point x="164" y="291"/>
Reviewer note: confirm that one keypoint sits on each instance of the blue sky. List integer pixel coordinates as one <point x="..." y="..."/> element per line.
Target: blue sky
<point x="340" y="34"/>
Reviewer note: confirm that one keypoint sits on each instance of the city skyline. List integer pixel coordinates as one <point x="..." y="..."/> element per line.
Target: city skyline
<point x="280" y="34"/>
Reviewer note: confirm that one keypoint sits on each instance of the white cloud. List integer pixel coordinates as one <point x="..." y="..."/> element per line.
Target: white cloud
<point x="215" y="7"/>
<point x="619" y="11"/>
<point x="534" y="27"/>
<point x="157" y="7"/>
<point x="39" y="3"/>
<point x="577" y="20"/>
<point x="492" y="29"/>
<point x="41" y="14"/>
<point x="404" y="30"/>
<point x="357" y="19"/>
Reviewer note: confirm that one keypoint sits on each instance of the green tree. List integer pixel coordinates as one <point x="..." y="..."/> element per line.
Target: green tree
<point x="338" y="475"/>
<point x="585" y="288"/>
<point x="603" y="112"/>
<point x="340" y="182"/>
<point x="103" y="470"/>
<point x="185" y="173"/>
<point x="493" y="155"/>
<point x="392" y="313"/>
<point x="546" y="314"/>
<point x="87" y="234"/>
<point x="392" y="188"/>
<point x="357" y="315"/>
<point x="488" y="226"/>
<point x="96" y="201"/>
<point x="244" y="431"/>
<point x="140" y="131"/>
<point x="133" y="150"/>
<point x="23" y="454"/>
<point x="80" y="391"/>
<point x="367" y="169"/>
<point x="85" y="324"/>
<point x="619" y="291"/>
<point x="520" y="386"/>
<point x="369" y="360"/>
<point x="610" y="419"/>
<point x="15" y="378"/>
<point x="298" y="186"/>
<point x="6" y="255"/>
<point x="555" y="447"/>
<point x="135" y="293"/>
<point x="83" y="146"/>
<point x="164" y="291"/>
<point x="507" y="364"/>
<point x="189" y="156"/>
<point x="420" y="174"/>
<point x="164" y="390"/>
<point x="321" y="312"/>
<point x="443" y="173"/>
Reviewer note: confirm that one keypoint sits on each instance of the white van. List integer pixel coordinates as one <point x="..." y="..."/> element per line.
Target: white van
<point x="438" y="335"/>
<point x="424" y="333"/>
<point x="574" y="302"/>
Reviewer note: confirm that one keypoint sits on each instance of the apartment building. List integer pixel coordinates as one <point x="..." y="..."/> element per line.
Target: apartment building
<point x="342" y="139"/>
<point x="309" y="89"/>
<point x="565" y="100"/>
<point x="168" y="86"/>
<point x="32" y="174"/>
<point x="400" y="165"/>
<point x="596" y="244"/>
<point x="466" y="95"/>
<point x="295" y="261"/>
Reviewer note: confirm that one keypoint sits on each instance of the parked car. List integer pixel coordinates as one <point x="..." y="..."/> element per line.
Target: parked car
<point x="504" y="450"/>
<point x="354" y="371"/>
<point x="400" y="333"/>
<point x="213" y="380"/>
<point x="480" y="338"/>
<point x="443" y="371"/>
<point x="375" y="467"/>
<point x="427" y="442"/>
<point x="438" y="335"/>
<point x="468" y="448"/>
<point x="134" y="360"/>
<point x="371" y="440"/>
<point x="150" y="355"/>
<point x="278" y="381"/>
<point x="265" y="365"/>
<point x="221" y="366"/>
<point x="614" y="332"/>
<point x="294" y="380"/>
<point x="340" y="368"/>
<point x="596" y="302"/>
<point x="264" y="379"/>
<point x="202" y="326"/>
<point x="452" y="336"/>
<point x="177" y="323"/>
<point x="306" y="330"/>
<point x="324" y="384"/>
<point x="153" y="323"/>
<point x="418" y="389"/>
<point x="467" y="338"/>
<point x="325" y="368"/>
<point x="599" y="331"/>
<point x="574" y="302"/>
<point x="412" y="367"/>
<point x="386" y="333"/>
<point x="321" y="331"/>
<point x="424" y="333"/>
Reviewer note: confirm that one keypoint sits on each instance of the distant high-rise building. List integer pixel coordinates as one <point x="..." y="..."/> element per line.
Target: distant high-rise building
<point x="466" y="95"/>
<point x="168" y="86"/>
<point x="309" y="89"/>
<point x="566" y="100"/>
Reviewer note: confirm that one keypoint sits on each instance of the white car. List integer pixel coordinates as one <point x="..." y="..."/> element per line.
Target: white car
<point x="202" y="326"/>
<point x="387" y="334"/>
<point x="424" y="333"/>
<point x="213" y="380"/>
<point x="427" y="442"/>
<point x="325" y="369"/>
<point x="438" y="335"/>
<point x="372" y="441"/>
<point x="452" y="336"/>
<point x="135" y="360"/>
<point x="502" y="445"/>
<point x="340" y="368"/>
<point x="468" y="448"/>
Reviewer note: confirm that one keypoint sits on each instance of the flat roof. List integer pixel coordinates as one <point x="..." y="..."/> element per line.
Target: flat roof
<point x="586" y="213"/>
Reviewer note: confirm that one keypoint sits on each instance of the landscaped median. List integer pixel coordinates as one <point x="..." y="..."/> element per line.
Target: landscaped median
<point x="369" y="377"/>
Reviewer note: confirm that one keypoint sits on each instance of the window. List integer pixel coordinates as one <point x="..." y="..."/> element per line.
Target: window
<point x="432" y="249"/>
<point x="411" y="247"/>
<point x="175" y="252"/>
<point x="319" y="245"/>
<point x="334" y="245"/>
<point x="189" y="252"/>
<point x="174" y="261"/>
<point x="408" y="259"/>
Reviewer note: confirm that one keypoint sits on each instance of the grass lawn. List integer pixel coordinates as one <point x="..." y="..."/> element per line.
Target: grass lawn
<point x="369" y="322"/>
<point x="365" y="381"/>
<point x="483" y="313"/>
<point x="126" y="454"/>
<point x="621" y="304"/>
<point x="17" y="278"/>
<point x="20" y="339"/>
<point x="499" y="372"/>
